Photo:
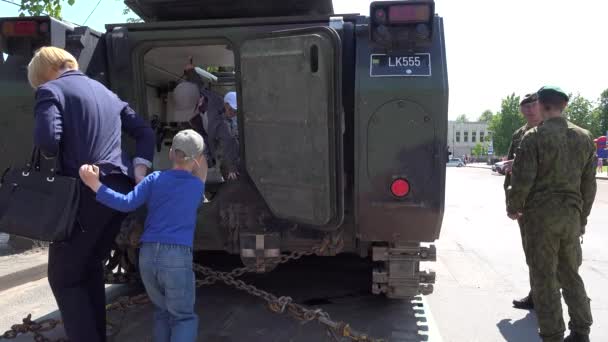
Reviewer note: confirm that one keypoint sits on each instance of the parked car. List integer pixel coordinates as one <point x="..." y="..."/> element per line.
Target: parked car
<point x="457" y="162"/>
<point x="499" y="167"/>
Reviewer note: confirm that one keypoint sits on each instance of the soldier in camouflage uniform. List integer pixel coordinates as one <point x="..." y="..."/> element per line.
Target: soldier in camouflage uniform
<point x="529" y="109"/>
<point x="552" y="189"/>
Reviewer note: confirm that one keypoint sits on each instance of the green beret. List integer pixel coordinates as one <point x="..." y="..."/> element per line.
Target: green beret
<point x="552" y="90"/>
<point x="529" y="98"/>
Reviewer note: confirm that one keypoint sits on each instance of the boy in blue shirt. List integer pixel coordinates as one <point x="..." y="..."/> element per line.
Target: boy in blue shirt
<point x="165" y="258"/>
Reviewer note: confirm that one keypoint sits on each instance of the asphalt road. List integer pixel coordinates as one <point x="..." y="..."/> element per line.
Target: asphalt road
<point x="34" y="297"/>
<point x="481" y="266"/>
<point x="480" y="269"/>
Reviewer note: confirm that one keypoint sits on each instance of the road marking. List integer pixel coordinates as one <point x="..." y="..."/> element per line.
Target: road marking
<point x="432" y="331"/>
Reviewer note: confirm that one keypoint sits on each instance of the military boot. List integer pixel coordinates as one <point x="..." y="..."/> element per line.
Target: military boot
<point x="525" y="303"/>
<point x="576" y="337"/>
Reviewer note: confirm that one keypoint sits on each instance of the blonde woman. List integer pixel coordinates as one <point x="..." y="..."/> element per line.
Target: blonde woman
<point x="82" y="120"/>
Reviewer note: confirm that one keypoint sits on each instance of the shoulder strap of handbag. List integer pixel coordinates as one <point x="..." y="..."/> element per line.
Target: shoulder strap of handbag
<point x="52" y="163"/>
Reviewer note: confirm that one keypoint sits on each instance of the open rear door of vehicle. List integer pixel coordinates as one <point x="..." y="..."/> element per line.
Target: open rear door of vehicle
<point x="292" y="123"/>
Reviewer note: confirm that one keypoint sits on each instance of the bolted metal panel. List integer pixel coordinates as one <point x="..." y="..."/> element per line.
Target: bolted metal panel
<point x="291" y="124"/>
<point x="401" y="131"/>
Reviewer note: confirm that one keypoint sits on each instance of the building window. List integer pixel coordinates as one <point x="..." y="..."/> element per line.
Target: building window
<point x="466" y="137"/>
<point x="458" y="137"/>
<point x="481" y="136"/>
<point x="474" y="137"/>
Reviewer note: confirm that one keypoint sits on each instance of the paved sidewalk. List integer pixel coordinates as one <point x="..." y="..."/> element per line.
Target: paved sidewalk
<point x="24" y="267"/>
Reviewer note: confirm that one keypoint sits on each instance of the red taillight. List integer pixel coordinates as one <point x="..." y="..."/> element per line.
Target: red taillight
<point x="400" y="187"/>
<point x="26" y="28"/>
<point x="407" y="14"/>
<point x="19" y="28"/>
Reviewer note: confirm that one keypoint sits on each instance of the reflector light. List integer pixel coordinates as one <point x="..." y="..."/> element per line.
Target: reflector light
<point x="8" y="28"/>
<point x="44" y="28"/>
<point x="380" y="15"/>
<point x="406" y="14"/>
<point x="400" y="187"/>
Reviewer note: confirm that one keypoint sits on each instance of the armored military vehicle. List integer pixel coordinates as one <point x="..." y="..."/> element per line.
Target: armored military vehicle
<point x="342" y="120"/>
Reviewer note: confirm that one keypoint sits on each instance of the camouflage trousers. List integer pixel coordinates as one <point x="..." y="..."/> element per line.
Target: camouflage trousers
<point x="554" y="255"/>
<point x="521" y="225"/>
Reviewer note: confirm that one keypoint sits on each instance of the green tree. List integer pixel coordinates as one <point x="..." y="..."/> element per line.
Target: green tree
<point x="596" y="128"/>
<point x="479" y="150"/>
<point x="603" y="112"/>
<point x="42" y="7"/>
<point x="580" y="112"/>
<point x="504" y="123"/>
<point x="486" y="116"/>
<point x="127" y="11"/>
<point x="462" y="118"/>
<point x="53" y="9"/>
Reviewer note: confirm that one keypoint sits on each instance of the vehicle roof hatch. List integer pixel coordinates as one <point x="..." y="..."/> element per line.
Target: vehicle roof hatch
<point x="169" y="10"/>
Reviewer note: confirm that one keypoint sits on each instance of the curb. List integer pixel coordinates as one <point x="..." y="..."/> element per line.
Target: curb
<point x="23" y="276"/>
<point x="480" y="167"/>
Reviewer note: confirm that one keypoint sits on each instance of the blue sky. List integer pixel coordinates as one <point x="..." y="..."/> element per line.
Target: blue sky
<point x="494" y="47"/>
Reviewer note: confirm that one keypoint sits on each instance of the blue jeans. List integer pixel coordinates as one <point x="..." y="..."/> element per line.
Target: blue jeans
<point x="166" y="271"/>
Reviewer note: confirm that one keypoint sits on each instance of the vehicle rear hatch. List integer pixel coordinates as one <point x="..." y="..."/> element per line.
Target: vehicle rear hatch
<point x="289" y="102"/>
<point x="290" y="86"/>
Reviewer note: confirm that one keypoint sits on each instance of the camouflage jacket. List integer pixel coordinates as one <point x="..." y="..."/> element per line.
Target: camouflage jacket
<point x="555" y="161"/>
<point x="515" y="141"/>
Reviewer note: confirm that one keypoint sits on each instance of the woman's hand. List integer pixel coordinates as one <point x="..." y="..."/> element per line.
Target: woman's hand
<point x="90" y="176"/>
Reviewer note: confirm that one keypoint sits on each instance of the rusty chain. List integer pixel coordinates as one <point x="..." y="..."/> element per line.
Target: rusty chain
<point x="284" y="304"/>
<point x="279" y="305"/>
<point x="37" y="328"/>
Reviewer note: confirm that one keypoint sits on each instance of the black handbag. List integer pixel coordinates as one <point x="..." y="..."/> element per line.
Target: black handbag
<point x="37" y="202"/>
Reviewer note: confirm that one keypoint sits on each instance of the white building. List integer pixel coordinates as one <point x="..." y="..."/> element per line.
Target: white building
<point x="463" y="136"/>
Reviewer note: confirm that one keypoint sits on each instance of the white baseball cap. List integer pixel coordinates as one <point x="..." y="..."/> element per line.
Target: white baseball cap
<point x="189" y="142"/>
<point x="230" y="99"/>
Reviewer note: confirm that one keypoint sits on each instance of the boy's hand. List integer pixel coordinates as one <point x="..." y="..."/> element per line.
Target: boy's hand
<point x="90" y="176"/>
<point x="140" y="172"/>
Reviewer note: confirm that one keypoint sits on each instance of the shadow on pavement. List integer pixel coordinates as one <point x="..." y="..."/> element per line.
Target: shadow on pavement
<point x="11" y="244"/>
<point x="340" y="285"/>
<point x="523" y="330"/>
